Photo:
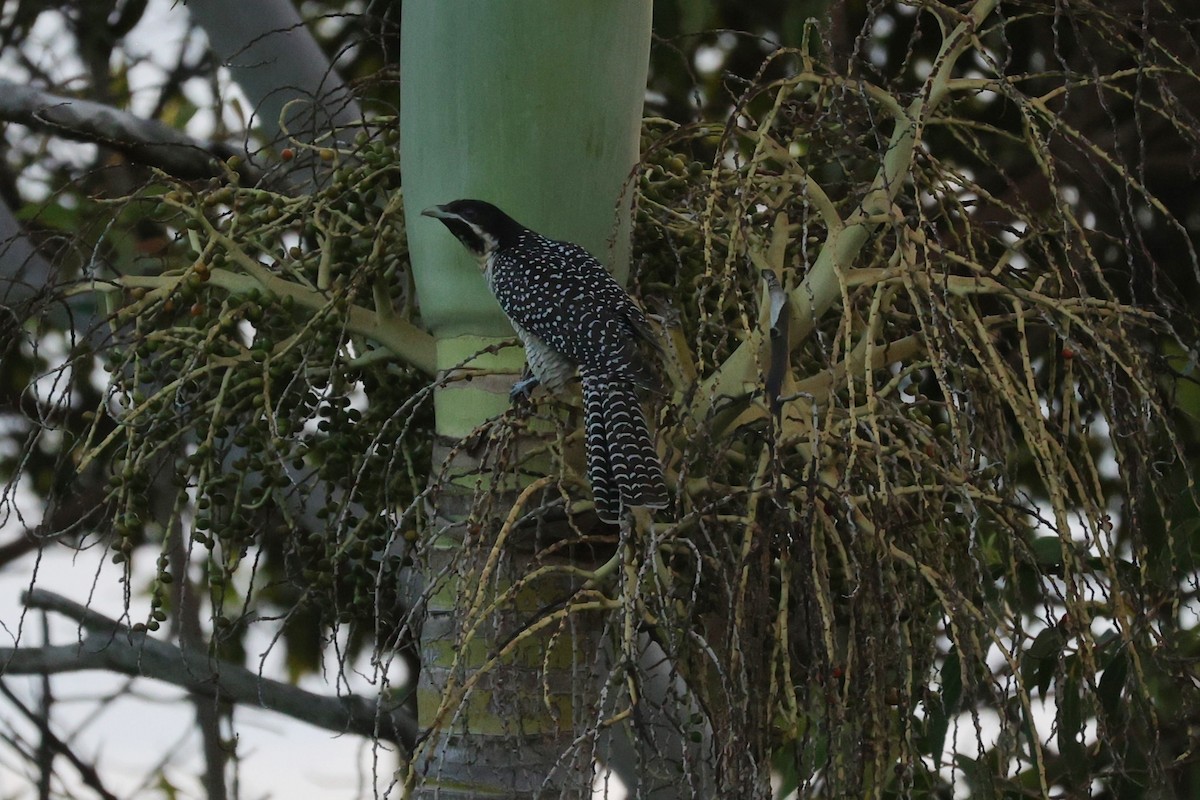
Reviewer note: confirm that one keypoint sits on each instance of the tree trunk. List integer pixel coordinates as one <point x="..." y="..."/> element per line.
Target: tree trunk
<point x="536" y="106"/>
<point x="506" y="667"/>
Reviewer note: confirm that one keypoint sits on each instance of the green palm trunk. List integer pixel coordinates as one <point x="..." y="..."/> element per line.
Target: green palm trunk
<point x="535" y="106"/>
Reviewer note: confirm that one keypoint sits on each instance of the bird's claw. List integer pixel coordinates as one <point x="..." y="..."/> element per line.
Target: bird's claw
<point x="523" y="389"/>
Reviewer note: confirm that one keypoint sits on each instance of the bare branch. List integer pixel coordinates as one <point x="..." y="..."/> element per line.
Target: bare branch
<point x="87" y="772"/>
<point x="279" y="65"/>
<point x="145" y="141"/>
<point x="115" y="647"/>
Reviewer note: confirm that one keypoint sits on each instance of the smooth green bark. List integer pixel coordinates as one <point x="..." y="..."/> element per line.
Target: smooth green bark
<point x="536" y="106"/>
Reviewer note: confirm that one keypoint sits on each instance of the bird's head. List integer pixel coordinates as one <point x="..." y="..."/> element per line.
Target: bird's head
<point x="480" y="226"/>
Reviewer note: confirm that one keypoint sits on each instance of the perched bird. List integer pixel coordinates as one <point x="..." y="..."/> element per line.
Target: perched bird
<point x="572" y="315"/>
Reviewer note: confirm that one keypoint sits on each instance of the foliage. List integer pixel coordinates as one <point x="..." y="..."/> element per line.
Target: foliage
<point x="246" y="378"/>
<point x="958" y="549"/>
<point x="955" y="521"/>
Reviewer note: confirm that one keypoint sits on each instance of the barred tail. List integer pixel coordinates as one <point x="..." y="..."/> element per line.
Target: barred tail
<point x="622" y="465"/>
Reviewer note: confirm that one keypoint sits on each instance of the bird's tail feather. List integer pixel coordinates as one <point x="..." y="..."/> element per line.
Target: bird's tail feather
<point x="622" y="464"/>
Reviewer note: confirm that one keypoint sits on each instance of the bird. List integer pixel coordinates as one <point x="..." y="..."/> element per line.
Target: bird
<point x="573" y="317"/>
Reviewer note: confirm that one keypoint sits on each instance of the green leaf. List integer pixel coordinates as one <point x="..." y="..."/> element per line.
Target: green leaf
<point x="784" y="764"/>
<point x="1047" y="550"/>
<point x="50" y="215"/>
<point x="1187" y="391"/>
<point x="951" y="682"/>
<point x="1047" y="644"/>
<point x="169" y="790"/>
<point x="933" y="742"/>
<point x="1070" y="722"/>
<point x="979" y="777"/>
<point x="1112" y="684"/>
<point x="178" y="112"/>
<point x="1039" y="661"/>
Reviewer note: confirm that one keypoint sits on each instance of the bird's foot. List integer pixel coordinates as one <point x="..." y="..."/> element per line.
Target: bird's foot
<point x="523" y="389"/>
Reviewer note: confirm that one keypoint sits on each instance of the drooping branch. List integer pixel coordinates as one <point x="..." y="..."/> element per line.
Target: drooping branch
<point x="115" y="647"/>
<point x="145" y="141"/>
<point x="821" y="286"/>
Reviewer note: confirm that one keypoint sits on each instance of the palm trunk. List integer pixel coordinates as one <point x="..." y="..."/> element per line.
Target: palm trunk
<point x="506" y="672"/>
<point x="534" y="105"/>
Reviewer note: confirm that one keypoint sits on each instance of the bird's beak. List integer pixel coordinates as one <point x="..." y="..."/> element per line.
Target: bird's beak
<point x="437" y="212"/>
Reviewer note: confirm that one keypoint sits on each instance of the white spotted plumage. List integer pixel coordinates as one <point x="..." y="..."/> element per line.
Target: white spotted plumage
<point x="570" y="313"/>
